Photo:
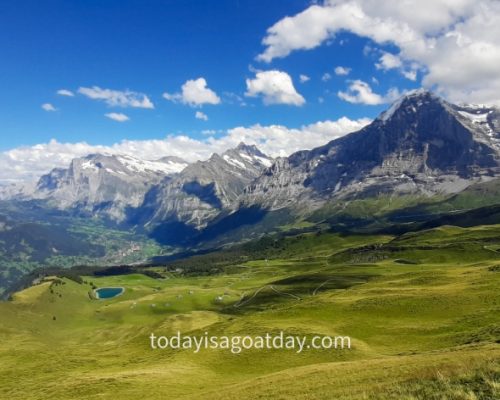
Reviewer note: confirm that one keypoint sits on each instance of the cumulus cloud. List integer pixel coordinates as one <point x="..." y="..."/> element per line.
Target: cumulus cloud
<point x="194" y="93"/>
<point x="28" y="163"/>
<point x="65" y="92"/>
<point x="119" y="117"/>
<point x="48" y="107"/>
<point x="410" y="74"/>
<point x="201" y="115"/>
<point x="326" y="77"/>
<point x="117" y="98"/>
<point x="275" y="87"/>
<point x="381" y="21"/>
<point x="455" y="44"/>
<point x="388" y="61"/>
<point x="304" y="78"/>
<point x="342" y="70"/>
<point x="360" y="92"/>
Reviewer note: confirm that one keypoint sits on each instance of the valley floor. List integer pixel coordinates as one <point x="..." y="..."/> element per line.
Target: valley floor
<point x="421" y="310"/>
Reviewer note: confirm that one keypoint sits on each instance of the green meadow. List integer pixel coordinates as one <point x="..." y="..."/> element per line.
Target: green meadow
<point x="422" y="311"/>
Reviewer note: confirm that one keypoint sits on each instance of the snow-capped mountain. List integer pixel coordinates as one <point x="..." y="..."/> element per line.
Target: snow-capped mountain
<point x="203" y="189"/>
<point x="421" y="144"/>
<point x="104" y="184"/>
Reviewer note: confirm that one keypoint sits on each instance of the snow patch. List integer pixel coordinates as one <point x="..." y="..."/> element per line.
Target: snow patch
<point x="137" y="165"/>
<point x="112" y="171"/>
<point x="264" y="161"/>
<point x="476" y="118"/>
<point x="234" y="162"/>
<point x="246" y="157"/>
<point x="89" y="165"/>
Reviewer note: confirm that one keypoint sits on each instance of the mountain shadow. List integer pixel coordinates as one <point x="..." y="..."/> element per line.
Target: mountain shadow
<point x="206" y="193"/>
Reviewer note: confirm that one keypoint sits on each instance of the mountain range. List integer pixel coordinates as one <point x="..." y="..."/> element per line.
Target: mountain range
<point x="421" y="146"/>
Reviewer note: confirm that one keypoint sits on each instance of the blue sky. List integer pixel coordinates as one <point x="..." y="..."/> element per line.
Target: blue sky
<point x="152" y="78"/>
<point x="154" y="47"/>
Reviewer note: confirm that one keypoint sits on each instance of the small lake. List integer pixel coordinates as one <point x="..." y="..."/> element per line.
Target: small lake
<point x="108" y="292"/>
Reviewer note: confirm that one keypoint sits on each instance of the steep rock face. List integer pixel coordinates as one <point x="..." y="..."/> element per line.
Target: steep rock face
<point x="422" y="144"/>
<point x="104" y="184"/>
<point x="203" y="189"/>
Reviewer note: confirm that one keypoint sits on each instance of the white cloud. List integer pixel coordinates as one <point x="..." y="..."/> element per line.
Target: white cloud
<point x="48" y="107"/>
<point x="200" y="115"/>
<point x="360" y="92"/>
<point x="275" y="87"/>
<point x="410" y="74"/>
<point x="194" y="93"/>
<point x="388" y="61"/>
<point x="303" y="31"/>
<point x="65" y="92"/>
<point x="304" y="78"/>
<point x="319" y="23"/>
<point x="117" y="98"/>
<point x="455" y="44"/>
<point x="28" y="163"/>
<point x="326" y="77"/>
<point x="278" y="140"/>
<point x="119" y="117"/>
<point x="342" y="70"/>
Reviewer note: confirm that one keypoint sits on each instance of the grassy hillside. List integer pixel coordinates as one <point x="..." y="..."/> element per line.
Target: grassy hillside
<point x="421" y="310"/>
<point x="33" y="236"/>
<point x="481" y="200"/>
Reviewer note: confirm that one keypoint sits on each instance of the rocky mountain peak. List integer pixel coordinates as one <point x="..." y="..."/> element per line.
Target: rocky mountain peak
<point x="104" y="184"/>
<point x="421" y="144"/>
<point x="203" y="189"/>
<point x="410" y="103"/>
<point x="250" y="155"/>
<point x="249" y="149"/>
<point x="426" y="114"/>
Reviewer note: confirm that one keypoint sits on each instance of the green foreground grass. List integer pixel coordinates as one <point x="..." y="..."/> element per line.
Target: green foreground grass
<point x="421" y="310"/>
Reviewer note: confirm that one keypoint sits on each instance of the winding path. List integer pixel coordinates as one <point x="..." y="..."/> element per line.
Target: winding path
<point x="242" y="303"/>
<point x="320" y="286"/>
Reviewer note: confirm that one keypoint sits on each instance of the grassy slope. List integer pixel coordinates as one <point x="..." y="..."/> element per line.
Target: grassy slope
<point x="422" y="310"/>
<point x="386" y="210"/>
